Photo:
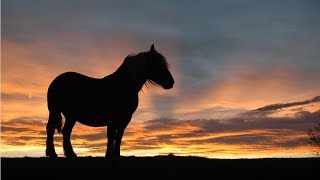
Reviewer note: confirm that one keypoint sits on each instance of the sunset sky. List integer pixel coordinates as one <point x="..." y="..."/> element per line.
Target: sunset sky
<point x="228" y="59"/>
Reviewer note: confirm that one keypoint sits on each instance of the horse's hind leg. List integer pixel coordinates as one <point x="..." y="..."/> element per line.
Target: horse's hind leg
<point x="67" y="147"/>
<point x="53" y="122"/>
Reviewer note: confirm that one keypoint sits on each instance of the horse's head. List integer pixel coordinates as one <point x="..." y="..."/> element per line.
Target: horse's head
<point x="158" y="72"/>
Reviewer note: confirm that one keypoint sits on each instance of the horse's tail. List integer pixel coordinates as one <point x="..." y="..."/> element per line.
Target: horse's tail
<point x="59" y="124"/>
<point x="55" y="121"/>
<point x="55" y="118"/>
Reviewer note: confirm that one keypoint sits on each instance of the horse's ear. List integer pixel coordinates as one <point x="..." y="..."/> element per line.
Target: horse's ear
<point x="152" y="48"/>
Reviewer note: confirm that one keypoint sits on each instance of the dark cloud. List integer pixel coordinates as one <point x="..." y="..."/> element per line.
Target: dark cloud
<point x="301" y="122"/>
<point x="285" y="105"/>
<point x="241" y="139"/>
<point x="264" y="131"/>
<point x="99" y="135"/>
<point x="35" y="121"/>
<point x="270" y="140"/>
<point x="6" y="128"/>
<point x="208" y="113"/>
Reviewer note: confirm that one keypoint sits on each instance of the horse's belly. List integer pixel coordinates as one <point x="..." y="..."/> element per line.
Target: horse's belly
<point x="94" y="119"/>
<point x="100" y="112"/>
<point x="94" y="123"/>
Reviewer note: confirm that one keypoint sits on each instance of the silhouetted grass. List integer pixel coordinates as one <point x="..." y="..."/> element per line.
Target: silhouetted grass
<point x="159" y="167"/>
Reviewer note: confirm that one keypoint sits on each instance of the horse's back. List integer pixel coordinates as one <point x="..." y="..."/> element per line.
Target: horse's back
<point x="71" y="78"/>
<point x="86" y="99"/>
<point x="70" y="86"/>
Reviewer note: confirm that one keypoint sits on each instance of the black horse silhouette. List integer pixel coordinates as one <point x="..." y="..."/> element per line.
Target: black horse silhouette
<point x="109" y="101"/>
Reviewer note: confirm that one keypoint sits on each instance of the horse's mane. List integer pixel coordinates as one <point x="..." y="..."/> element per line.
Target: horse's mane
<point x="123" y="67"/>
<point x="157" y="58"/>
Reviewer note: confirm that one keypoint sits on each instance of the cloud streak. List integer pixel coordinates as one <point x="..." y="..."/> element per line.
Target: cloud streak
<point x="280" y="106"/>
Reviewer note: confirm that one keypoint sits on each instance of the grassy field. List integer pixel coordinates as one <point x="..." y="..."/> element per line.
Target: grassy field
<point x="159" y="167"/>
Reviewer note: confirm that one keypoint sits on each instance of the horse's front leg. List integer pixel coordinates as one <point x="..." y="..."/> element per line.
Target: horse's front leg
<point x="117" y="143"/>
<point x="119" y="135"/>
<point x="111" y="133"/>
<point x="114" y="140"/>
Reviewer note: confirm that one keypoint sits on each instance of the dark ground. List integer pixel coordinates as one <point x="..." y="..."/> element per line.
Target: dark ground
<point x="159" y="167"/>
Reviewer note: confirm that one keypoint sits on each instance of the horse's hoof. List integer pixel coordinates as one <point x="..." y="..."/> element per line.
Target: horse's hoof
<point x="108" y="157"/>
<point x="51" y="154"/>
<point x="70" y="155"/>
<point x="112" y="157"/>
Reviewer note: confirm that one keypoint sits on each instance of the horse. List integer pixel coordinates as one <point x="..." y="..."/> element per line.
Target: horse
<point x="109" y="101"/>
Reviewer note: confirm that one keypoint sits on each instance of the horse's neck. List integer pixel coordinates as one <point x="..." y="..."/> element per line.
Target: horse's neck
<point x="131" y="76"/>
<point x="128" y="82"/>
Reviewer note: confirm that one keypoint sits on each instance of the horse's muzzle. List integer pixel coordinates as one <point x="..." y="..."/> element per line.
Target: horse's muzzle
<point x="168" y="86"/>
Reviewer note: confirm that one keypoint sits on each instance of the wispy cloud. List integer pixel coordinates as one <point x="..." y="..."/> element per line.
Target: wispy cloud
<point x="279" y="106"/>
